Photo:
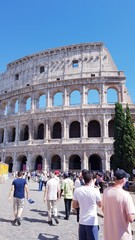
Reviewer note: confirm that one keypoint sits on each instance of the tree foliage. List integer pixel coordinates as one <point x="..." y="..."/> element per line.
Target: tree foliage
<point x="124" y="139"/>
<point x="119" y="125"/>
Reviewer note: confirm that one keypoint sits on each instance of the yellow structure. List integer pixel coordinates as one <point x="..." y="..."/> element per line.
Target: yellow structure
<point x="3" y="170"/>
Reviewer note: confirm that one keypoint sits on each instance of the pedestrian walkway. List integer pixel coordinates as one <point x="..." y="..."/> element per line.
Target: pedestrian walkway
<point x="34" y="225"/>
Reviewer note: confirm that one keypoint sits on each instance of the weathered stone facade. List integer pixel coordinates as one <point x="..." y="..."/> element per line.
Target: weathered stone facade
<point x="41" y="127"/>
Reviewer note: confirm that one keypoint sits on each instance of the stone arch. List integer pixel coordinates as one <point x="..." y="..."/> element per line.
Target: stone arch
<point x="93" y="96"/>
<point x="112" y="95"/>
<point x="9" y="161"/>
<point x="95" y="163"/>
<point x="112" y="166"/>
<point x="94" y="129"/>
<point x="39" y="163"/>
<point x="111" y="128"/>
<point x="24" y="133"/>
<point x="1" y="135"/>
<point x="11" y="134"/>
<point x="40" y="131"/>
<point x="28" y="103"/>
<point x="75" y="97"/>
<point x="56" y="162"/>
<point x="16" y="106"/>
<point x="75" y="162"/>
<point x="22" y="161"/>
<point x="57" y="131"/>
<point x="58" y="99"/>
<point x="42" y="101"/>
<point x="75" y="130"/>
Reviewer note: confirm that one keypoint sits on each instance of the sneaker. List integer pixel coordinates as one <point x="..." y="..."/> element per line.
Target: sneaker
<point x="56" y="220"/>
<point x="50" y="223"/>
<point x="18" y="221"/>
<point x="15" y="222"/>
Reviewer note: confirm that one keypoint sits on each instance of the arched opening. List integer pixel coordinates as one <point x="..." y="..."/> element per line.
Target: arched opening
<point x="1" y="135"/>
<point x="40" y="133"/>
<point x="112" y="96"/>
<point x="111" y="128"/>
<point x="74" y="130"/>
<point x="39" y="162"/>
<point x="9" y="161"/>
<point x="28" y="104"/>
<point x="75" y="98"/>
<point x="95" y="163"/>
<point x="16" y="106"/>
<point x="24" y="133"/>
<point x="58" y="99"/>
<point x="56" y="130"/>
<point x="112" y="165"/>
<point x="22" y="160"/>
<point x="75" y="162"/>
<point x="93" y="96"/>
<point x="94" y="129"/>
<point x="56" y="162"/>
<point x="42" y="101"/>
<point x="11" y="134"/>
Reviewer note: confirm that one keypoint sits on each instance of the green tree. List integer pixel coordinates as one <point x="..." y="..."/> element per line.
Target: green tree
<point x="129" y="142"/>
<point x="119" y="125"/>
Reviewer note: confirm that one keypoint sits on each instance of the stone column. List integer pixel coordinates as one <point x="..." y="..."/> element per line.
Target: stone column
<point x="83" y="94"/>
<point x="84" y="161"/>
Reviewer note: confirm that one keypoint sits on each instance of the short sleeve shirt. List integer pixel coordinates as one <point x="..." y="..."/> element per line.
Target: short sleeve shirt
<point x="19" y="187"/>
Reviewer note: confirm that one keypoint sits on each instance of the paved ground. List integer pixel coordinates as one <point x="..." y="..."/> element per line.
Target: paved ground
<point x="34" y="225"/>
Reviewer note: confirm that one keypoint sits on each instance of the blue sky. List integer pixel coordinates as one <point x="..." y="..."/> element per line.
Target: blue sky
<point x="29" y="26"/>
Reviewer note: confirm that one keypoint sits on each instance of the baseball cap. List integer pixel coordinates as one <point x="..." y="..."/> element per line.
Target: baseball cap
<point x="120" y="174"/>
<point x="65" y="174"/>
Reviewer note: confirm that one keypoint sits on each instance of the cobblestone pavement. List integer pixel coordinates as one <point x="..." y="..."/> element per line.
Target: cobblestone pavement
<point x="34" y="219"/>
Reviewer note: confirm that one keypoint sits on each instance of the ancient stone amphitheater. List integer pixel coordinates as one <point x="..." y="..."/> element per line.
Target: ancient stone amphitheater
<point x="54" y="109"/>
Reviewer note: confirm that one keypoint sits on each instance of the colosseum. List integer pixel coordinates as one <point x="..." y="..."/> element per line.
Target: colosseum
<point x="55" y="112"/>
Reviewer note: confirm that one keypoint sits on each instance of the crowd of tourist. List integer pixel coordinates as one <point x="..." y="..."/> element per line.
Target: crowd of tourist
<point x="82" y="192"/>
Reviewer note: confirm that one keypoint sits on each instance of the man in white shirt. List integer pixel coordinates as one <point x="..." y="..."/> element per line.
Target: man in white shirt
<point x="51" y="194"/>
<point x="87" y="198"/>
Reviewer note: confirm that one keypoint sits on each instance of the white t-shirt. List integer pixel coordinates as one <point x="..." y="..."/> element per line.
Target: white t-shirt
<point x="87" y="197"/>
<point x="52" y="188"/>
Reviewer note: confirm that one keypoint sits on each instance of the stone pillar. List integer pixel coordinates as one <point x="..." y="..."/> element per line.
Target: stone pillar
<point x="63" y="163"/>
<point x="103" y="99"/>
<point x="17" y="133"/>
<point x="84" y="96"/>
<point x="84" y="164"/>
<point x="65" y="100"/>
<point x="64" y="129"/>
<point x="83" y="134"/>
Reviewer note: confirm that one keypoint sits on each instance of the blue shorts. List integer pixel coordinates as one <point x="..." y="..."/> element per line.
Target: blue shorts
<point x="87" y="232"/>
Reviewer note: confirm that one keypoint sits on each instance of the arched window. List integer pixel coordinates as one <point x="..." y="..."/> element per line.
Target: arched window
<point x="24" y="133"/>
<point x="16" y="106"/>
<point x="94" y="129"/>
<point x="111" y="128"/>
<point x="95" y="163"/>
<point x="56" y="162"/>
<point x="74" y="130"/>
<point x="75" y="162"/>
<point x="28" y="104"/>
<point x="75" y="98"/>
<point x="93" y="97"/>
<point x="42" y="101"/>
<point x="58" y="99"/>
<point x="112" y="96"/>
<point x="1" y="135"/>
<point x="40" y="133"/>
<point x="39" y="162"/>
<point x="56" y="130"/>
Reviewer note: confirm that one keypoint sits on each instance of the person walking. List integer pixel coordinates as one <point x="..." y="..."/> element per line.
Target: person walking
<point x="67" y="189"/>
<point x="18" y="190"/>
<point x="87" y="198"/>
<point x="118" y="209"/>
<point x="52" y="194"/>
